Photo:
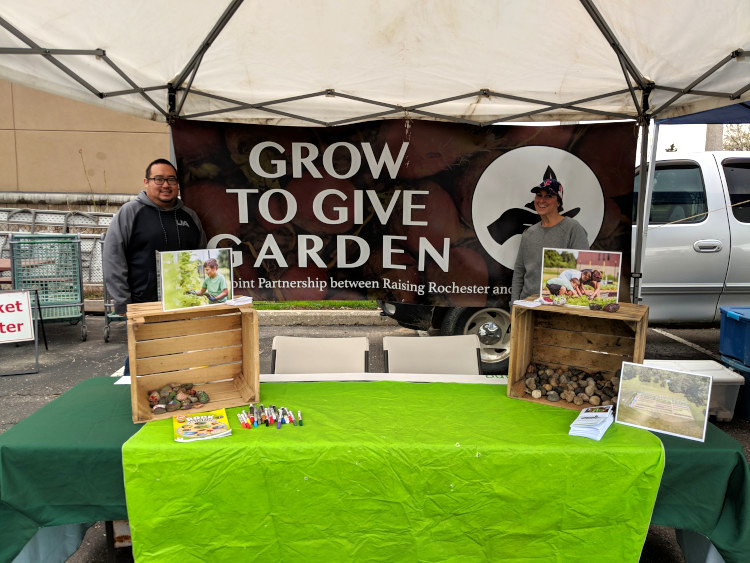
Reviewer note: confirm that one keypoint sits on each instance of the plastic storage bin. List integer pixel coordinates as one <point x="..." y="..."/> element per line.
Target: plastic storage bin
<point x="734" y="340"/>
<point x="725" y="384"/>
<point x="743" y="398"/>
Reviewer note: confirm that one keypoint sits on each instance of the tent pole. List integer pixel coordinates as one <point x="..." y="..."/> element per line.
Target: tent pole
<point x="645" y="187"/>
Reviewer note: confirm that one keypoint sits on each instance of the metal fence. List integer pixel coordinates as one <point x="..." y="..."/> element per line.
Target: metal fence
<point x="89" y="226"/>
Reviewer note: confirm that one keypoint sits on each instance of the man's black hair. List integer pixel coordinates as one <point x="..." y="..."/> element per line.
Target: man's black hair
<point x="159" y="161"/>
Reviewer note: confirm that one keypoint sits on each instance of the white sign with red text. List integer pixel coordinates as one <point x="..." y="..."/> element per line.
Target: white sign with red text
<point x="15" y="317"/>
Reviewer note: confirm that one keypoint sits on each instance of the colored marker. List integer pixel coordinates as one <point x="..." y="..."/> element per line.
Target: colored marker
<point x="299" y="417"/>
<point x="291" y="418"/>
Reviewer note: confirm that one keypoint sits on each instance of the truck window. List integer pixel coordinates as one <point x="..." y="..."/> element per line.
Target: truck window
<point x="737" y="173"/>
<point x="679" y="195"/>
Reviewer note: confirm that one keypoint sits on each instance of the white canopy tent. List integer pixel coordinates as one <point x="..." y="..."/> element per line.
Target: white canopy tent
<point x="330" y="62"/>
<point x="327" y="62"/>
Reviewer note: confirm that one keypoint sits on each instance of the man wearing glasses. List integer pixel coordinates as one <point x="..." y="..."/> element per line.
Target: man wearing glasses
<point x="155" y="221"/>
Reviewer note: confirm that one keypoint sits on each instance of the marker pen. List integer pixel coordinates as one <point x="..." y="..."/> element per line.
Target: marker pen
<point x="299" y="417"/>
<point x="239" y="417"/>
<point x="291" y="418"/>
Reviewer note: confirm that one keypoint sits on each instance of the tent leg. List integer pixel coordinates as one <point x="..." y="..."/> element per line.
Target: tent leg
<point x="646" y="181"/>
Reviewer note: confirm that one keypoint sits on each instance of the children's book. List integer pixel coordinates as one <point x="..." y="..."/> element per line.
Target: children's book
<point x="592" y="422"/>
<point x="201" y="425"/>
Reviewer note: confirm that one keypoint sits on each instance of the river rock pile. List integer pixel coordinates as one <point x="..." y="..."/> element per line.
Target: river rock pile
<point x="572" y="385"/>
<point x="176" y="396"/>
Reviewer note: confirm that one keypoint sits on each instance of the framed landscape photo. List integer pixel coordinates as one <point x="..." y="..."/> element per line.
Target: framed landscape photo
<point x="580" y="277"/>
<point x="664" y="400"/>
<point x="195" y="278"/>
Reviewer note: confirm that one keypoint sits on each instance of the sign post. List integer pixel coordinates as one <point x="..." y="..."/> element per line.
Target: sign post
<point x="17" y="324"/>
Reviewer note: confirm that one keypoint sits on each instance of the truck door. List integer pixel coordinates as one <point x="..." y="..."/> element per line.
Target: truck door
<point x="688" y="244"/>
<point x="737" y="177"/>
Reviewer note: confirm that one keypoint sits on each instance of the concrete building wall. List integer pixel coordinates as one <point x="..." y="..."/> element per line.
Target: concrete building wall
<point x="49" y="144"/>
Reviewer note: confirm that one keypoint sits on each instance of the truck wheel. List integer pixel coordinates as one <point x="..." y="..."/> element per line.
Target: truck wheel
<point x="491" y="325"/>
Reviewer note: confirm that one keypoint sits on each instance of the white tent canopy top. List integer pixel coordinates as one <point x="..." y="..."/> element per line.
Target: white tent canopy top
<point x="330" y="62"/>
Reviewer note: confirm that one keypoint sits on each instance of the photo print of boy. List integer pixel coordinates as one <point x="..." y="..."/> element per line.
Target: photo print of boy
<point x="195" y="278"/>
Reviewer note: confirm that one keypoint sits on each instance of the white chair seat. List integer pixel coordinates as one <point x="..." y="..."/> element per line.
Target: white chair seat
<point x="294" y="354"/>
<point x="432" y="354"/>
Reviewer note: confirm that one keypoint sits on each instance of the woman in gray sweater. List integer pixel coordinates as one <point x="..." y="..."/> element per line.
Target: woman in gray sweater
<point x="553" y="231"/>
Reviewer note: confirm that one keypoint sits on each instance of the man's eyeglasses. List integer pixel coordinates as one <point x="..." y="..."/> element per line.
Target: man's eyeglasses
<point x="159" y="180"/>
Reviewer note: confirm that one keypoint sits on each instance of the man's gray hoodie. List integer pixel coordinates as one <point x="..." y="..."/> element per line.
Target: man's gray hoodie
<point x="138" y="230"/>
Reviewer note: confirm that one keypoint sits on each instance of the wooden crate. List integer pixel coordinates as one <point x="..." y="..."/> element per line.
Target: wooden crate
<point x="215" y="348"/>
<point x="574" y="337"/>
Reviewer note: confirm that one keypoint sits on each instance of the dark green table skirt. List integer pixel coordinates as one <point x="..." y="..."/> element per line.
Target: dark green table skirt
<point x="63" y="464"/>
<point x="706" y="489"/>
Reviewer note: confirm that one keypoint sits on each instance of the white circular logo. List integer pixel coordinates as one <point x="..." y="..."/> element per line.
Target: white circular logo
<point x="502" y="207"/>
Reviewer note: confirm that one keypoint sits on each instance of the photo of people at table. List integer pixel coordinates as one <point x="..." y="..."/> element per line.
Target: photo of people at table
<point x="580" y="277"/>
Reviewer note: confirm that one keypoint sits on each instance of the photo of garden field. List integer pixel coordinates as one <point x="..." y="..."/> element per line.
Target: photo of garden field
<point x="582" y="277"/>
<point x="667" y="401"/>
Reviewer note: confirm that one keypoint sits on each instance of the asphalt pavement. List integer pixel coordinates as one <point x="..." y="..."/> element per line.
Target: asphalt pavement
<point x="68" y="360"/>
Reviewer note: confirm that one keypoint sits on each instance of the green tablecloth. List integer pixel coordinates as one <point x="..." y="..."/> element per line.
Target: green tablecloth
<point x="62" y="464"/>
<point x="390" y="471"/>
<point x="706" y="488"/>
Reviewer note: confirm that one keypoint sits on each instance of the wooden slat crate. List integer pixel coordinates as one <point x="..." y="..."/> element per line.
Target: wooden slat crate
<point x="574" y="337"/>
<point x="215" y="348"/>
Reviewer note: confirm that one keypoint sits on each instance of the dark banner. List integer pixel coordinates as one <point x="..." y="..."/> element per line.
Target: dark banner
<point x="410" y="211"/>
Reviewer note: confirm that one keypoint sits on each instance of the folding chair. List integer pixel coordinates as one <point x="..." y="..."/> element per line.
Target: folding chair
<point x="433" y="354"/>
<point x="292" y="354"/>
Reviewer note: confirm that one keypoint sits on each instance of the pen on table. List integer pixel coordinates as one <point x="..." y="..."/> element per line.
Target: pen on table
<point x="256" y="415"/>
<point x="251" y="419"/>
<point x="270" y="414"/>
<point x="299" y="417"/>
<point x="247" y="420"/>
<point x="292" y="419"/>
<point x="282" y="412"/>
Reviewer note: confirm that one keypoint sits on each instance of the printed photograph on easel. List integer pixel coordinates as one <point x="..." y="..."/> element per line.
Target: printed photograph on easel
<point x="663" y="400"/>
<point x="580" y="277"/>
<point x="195" y="278"/>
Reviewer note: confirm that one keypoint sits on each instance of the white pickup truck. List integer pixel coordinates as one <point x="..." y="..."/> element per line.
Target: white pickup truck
<point x="697" y="255"/>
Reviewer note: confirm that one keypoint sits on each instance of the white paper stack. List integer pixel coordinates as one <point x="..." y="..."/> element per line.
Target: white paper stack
<point x="592" y="422"/>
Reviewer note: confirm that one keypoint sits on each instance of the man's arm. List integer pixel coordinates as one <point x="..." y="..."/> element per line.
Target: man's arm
<point x="114" y="258"/>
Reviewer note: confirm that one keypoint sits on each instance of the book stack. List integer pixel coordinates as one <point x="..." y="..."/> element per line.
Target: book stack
<point x="592" y="422"/>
